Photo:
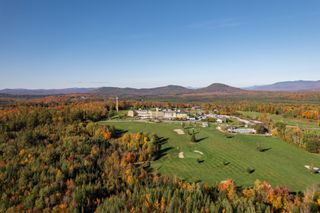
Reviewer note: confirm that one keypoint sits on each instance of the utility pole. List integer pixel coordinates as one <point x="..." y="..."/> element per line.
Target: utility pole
<point x="117" y="104"/>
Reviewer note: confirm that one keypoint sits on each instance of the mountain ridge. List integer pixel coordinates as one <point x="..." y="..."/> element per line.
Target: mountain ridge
<point x="167" y="90"/>
<point x="172" y="90"/>
<point x="21" y="91"/>
<point x="164" y="90"/>
<point x="289" y="86"/>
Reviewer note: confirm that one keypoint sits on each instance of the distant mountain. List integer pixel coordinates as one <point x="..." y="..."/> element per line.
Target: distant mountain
<point x="44" y="92"/>
<point x="219" y="88"/>
<point x="167" y="90"/>
<point x="170" y="90"/>
<point x="289" y="86"/>
<point x="279" y="91"/>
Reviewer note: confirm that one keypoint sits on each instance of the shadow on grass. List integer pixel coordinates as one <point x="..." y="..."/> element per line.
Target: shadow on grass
<point x="163" y="140"/>
<point x="200" y="160"/>
<point x="201" y="139"/>
<point x="250" y="170"/>
<point x="163" y="152"/>
<point x="264" y="149"/>
<point x="226" y="163"/>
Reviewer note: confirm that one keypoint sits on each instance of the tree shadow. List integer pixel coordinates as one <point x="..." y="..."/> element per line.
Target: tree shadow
<point x="226" y="163"/>
<point x="228" y="135"/>
<point x="200" y="160"/>
<point x="119" y="132"/>
<point x="163" y="152"/>
<point x="201" y="139"/>
<point x="264" y="149"/>
<point x="163" y="140"/>
<point x="250" y="170"/>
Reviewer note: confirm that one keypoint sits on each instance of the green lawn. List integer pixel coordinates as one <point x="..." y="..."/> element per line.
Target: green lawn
<point x="283" y="164"/>
<point x="303" y="123"/>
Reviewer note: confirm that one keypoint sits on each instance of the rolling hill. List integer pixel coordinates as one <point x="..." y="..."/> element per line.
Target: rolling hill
<point x="44" y="92"/>
<point x="166" y="90"/>
<point x="170" y="90"/>
<point x="289" y="86"/>
<point x="290" y="91"/>
<point x="218" y="88"/>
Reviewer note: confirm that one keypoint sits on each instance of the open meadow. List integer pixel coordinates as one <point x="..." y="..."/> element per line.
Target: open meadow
<point x="280" y="164"/>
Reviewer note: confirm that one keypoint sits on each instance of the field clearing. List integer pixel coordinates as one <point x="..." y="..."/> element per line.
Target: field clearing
<point x="303" y="123"/>
<point x="282" y="164"/>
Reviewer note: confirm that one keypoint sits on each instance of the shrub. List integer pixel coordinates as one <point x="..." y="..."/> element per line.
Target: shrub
<point x="226" y="162"/>
<point x="250" y="170"/>
<point x="312" y="141"/>
<point x="200" y="160"/>
<point x="313" y="146"/>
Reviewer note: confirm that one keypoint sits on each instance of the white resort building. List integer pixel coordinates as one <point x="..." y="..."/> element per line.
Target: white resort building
<point x="158" y="114"/>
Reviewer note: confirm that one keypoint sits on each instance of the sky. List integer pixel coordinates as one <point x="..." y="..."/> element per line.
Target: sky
<point x="148" y="43"/>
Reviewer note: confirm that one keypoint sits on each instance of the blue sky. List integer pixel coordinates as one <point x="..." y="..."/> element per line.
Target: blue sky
<point x="135" y="43"/>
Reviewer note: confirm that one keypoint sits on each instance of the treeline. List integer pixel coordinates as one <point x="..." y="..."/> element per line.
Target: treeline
<point x="306" y="139"/>
<point x="55" y="157"/>
<point x="305" y="111"/>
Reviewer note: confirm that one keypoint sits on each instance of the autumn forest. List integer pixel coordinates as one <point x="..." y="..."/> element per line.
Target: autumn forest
<point x="55" y="156"/>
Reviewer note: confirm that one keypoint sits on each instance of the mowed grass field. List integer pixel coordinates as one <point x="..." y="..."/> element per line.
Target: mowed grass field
<point x="283" y="164"/>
